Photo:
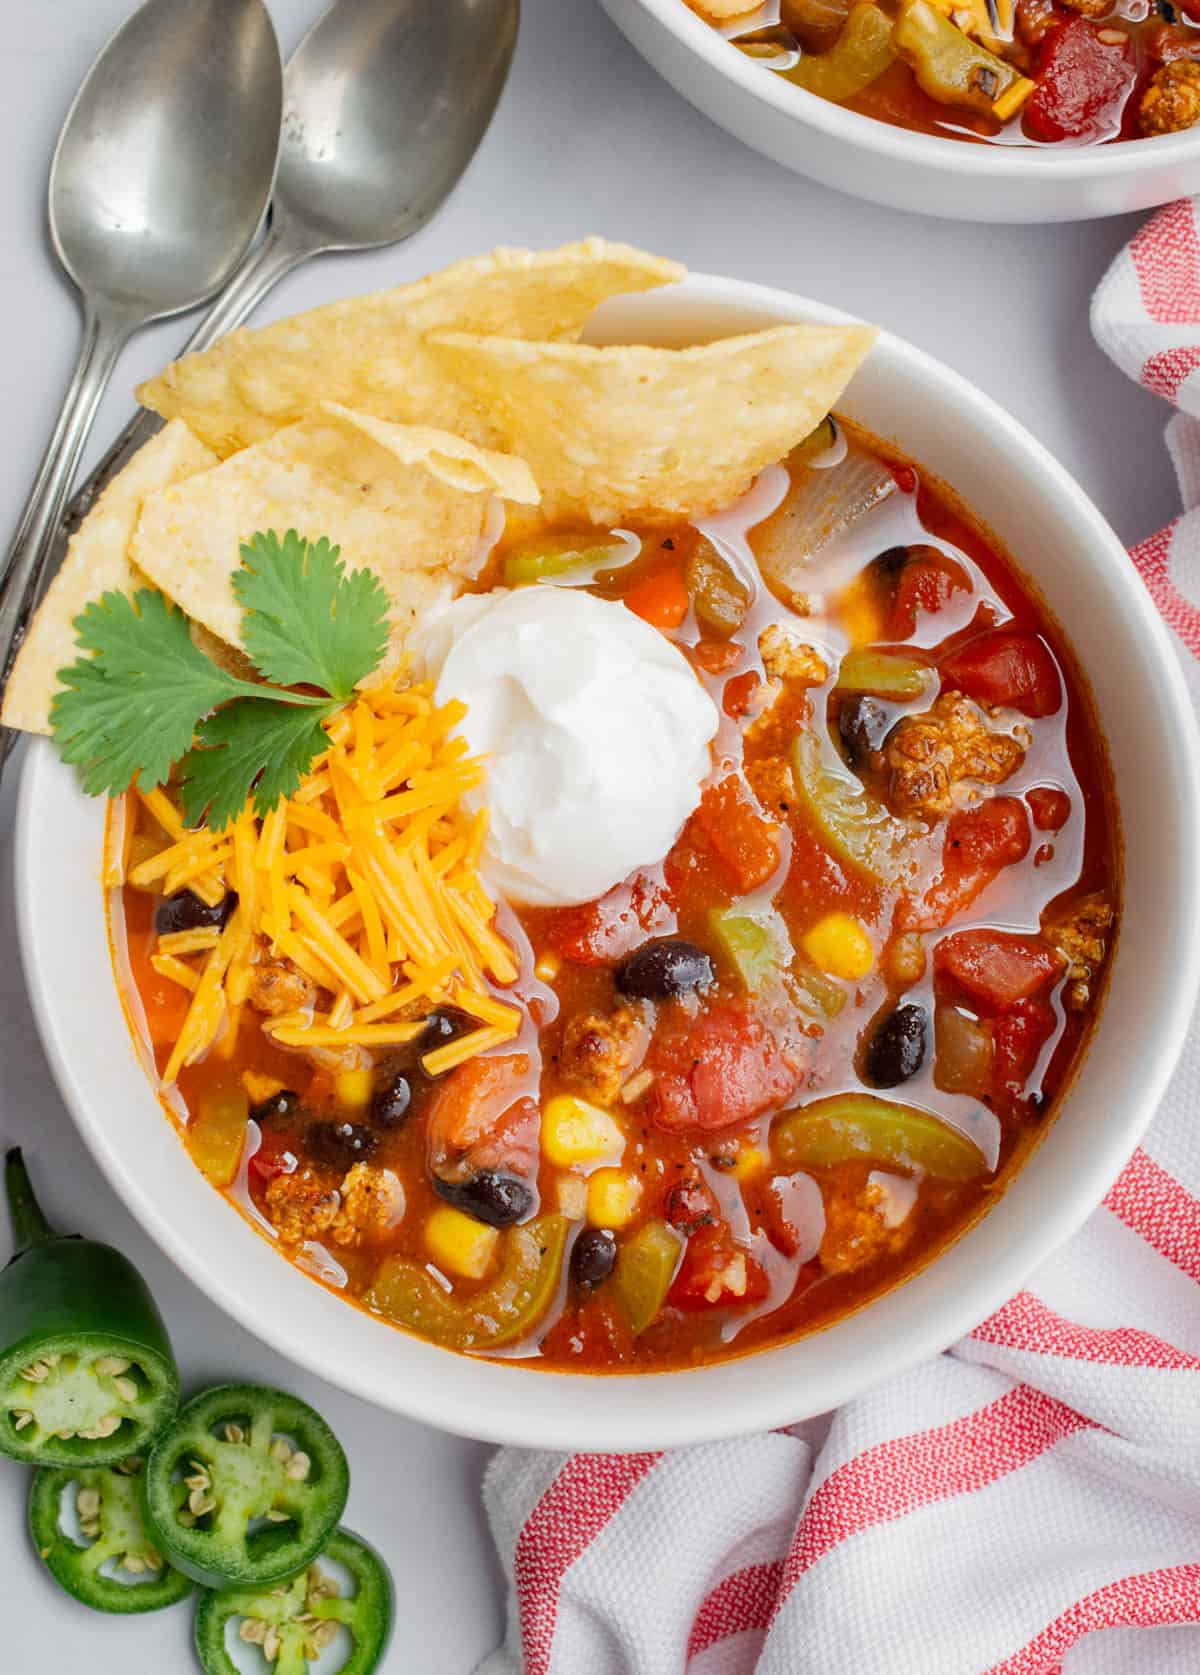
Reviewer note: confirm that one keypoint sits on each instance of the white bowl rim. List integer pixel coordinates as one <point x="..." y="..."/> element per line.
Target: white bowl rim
<point x="578" y="1416"/>
<point x="944" y="155"/>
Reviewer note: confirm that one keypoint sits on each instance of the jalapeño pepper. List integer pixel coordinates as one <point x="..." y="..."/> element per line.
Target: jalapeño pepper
<point x="111" y="1565"/>
<point x="294" y="1624"/>
<point x="86" y="1371"/>
<point x="244" y="1487"/>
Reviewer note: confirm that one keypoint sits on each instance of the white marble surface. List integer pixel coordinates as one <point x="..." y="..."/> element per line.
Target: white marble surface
<point x="586" y="140"/>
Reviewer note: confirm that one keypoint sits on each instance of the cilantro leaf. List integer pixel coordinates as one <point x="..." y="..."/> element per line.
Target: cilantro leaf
<point x="307" y="622"/>
<point x="142" y="699"/>
<point x="128" y="710"/>
<point x="250" y="745"/>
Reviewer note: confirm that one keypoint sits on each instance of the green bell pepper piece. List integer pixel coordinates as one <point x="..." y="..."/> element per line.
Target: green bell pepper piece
<point x="852" y="823"/>
<point x="854" y="1125"/>
<point x="547" y="556"/>
<point x="888" y="673"/>
<point x="87" y="1376"/>
<point x="755" y="941"/>
<point x="949" y="65"/>
<point x="293" y="1624"/>
<point x="108" y="1506"/>
<point x="859" y="56"/>
<point x="245" y="1487"/>
<point x="507" y="1309"/>
<point x="646" y="1265"/>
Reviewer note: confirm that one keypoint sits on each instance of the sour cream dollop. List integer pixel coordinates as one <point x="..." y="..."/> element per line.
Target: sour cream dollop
<point x="595" y="727"/>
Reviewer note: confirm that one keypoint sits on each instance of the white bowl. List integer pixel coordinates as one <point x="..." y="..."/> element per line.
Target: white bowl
<point x="1083" y="572"/>
<point x="890" y="165"/>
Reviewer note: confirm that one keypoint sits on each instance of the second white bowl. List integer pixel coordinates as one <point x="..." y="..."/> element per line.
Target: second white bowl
<point x="891" y="165"/>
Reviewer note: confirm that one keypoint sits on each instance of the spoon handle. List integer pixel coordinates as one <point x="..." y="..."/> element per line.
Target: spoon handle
<point x="275" y="255"/>
<point x="24" y="566"/>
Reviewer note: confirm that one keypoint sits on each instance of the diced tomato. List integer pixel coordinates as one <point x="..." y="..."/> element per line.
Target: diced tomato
<point x="793" y="1214"/>
<point x="661" y="599"/>
<point x="1174" y="41"/>
<point x="979" y="844"/>
<point x="718" y="1069"/>
<point x="738" y="698"/>
<point x="993" y="970"/>
<point x="715" y="656"/>
<point x="1082" y="83"/>
<point x="599" y="931"/>
<point x="265" y="1165"/>
<point x="1001" y="667"/>
<point x="690" y="1204"/>
<point x="1018" y="1037"/>
<point x="746" y="842"/>
<point x="906" y="478"/>
<point x="926" y="583"/>
<point x="483" y="1114"/>
<point x="716" y="1272"/>
<point x="1051" y="807"/>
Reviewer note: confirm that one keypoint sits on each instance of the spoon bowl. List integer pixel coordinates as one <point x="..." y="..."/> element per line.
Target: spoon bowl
<point x="385" y="104"/>
<point x="159" y="182"/>
<point x="162" y="171"/>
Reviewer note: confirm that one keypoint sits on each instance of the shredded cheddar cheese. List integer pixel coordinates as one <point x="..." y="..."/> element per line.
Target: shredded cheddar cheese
<point x="365" y="880"/>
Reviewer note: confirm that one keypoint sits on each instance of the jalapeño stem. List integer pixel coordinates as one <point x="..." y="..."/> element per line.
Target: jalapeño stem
<point x="29" y="1225"/>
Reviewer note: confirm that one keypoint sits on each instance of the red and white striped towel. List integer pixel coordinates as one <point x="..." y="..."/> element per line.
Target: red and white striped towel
<point x="1027" y="1504"/>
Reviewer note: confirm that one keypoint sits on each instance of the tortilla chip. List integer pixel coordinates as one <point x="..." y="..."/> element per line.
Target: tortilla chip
<point x="655" y="433"/>
<point x="412" y="504"/>
<point x="367" y="351"/>
<point x="97" y="561"/>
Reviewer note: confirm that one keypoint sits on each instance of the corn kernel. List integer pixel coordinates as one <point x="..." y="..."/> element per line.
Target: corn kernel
<point x="575" y="1132"/>
<point x="612" y="1197"/>
<point x="860" y="614"/>
<point x="260" y="1088"/>
<point x="458" y="1243"/>
<point x="751" y="1160"/>
<point x="353" y="1089"/>
<point x="548" y="967"/>
<point x="839" y="946"/>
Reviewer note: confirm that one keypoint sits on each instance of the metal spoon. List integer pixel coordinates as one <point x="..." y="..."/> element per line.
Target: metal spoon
<point x="159" y="182"/>
<point x="385" y="104"/>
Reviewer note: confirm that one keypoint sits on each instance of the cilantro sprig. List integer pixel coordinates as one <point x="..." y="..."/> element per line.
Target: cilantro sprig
<point x="143" y="700"/>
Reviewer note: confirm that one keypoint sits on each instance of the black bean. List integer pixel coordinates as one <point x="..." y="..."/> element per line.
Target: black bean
<point x="593" y="1257"/>
<point x="862" y="726"/>
<point x="489" y="1196"/>
<point x="889" y="563"/>
<point x="662" y="969"/>
<point x="280" y="1111"/>
<point x="897" y="1048"/>
<point x="446" y="1024"/>
<point x="184" y="911"/>
<point x="392" y="1099"/>
<point x="341" y="1144"/>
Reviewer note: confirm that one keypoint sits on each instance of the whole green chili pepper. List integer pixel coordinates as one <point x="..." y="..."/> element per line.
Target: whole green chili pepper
<point x="86" y="1371"/>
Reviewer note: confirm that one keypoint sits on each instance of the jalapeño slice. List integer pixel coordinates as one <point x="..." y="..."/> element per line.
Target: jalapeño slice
<point x="86" y="1371"/>
<point x="110" y="1564"/>
<point x="294" y="1624"/>
<point x="243" y="1489"/>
